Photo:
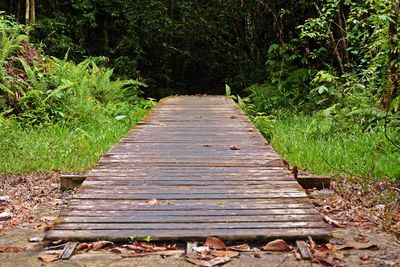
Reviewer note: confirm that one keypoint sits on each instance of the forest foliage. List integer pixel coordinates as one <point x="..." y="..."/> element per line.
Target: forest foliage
<point x="330" y="67"/>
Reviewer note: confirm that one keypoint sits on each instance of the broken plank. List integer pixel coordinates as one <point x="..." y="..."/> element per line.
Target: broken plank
<point x="68" y="250"/>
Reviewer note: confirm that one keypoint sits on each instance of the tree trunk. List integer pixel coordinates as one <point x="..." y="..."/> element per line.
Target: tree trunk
<point x="32" y="11"/>
<point x="30" y="14"/>
<point x="343" y="39"/>
<point x="27" y="11"/>
<point x="334" y="44"/>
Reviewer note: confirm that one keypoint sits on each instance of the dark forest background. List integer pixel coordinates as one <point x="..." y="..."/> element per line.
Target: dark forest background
<point x="174" y="46"/>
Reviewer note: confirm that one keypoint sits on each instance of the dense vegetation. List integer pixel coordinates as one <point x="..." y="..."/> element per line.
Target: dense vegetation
<point x="319" y="78"/>
<point x="55" y="114"/>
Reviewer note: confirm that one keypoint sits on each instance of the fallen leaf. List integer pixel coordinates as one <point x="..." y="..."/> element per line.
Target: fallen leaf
<point x="366" y="260"/>
<point x="36" y="239"/>
<point x="171" y="247"/>
<point x="6" y="215"/>
<point x="215" y="243"/>
<point x="209" y="263"/>
<point x="43" y="227"/>
<point x="101" y="244"/>
<point x="134" y="247"/>
<point x="354" y="245"/>
<point x="48" y="218"/>
<point x="311" y="242"/>
<point x="117" y="250"/>
<point x="57" y="242"/>
<point x="149" y="247"/>
<point x="242" y="247"/>
<point x="297" y="256"/>
<point x="358" y="218"/>
<point x="201" y="249"/>
<point x="332" y="221"/>
<point x="84" y="247"/>
<point x="396" y="214"/>
<point x="276" y="245"/>
<point x="11" y="249"/>
<point x="324" y="257"/>
<point x="49" y="257"/>
<point x="152" y="202"/>
<point x="224" y="253"/>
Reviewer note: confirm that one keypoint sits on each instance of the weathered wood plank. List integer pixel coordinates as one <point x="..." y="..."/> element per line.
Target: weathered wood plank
<point x="188" y="226"/>
<point x="225" y="234"/>
<point x="238" y="195"/>
<point x="209" y="212"/>
<point x="191" y="219"/>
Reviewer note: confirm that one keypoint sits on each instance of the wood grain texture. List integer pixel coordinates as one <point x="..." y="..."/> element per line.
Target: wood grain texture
<point x="194" y="167"/>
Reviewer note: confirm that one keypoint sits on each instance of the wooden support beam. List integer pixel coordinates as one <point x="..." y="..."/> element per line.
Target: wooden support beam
<point x="304" y="250"/>
<point x="68" y="251"/>
<point x="314" y="182"/>
<point x="68" y="182"/>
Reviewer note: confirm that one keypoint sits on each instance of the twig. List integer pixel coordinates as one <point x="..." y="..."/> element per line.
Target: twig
<point x="339" y="170"/>
<point x="385" y="130"/>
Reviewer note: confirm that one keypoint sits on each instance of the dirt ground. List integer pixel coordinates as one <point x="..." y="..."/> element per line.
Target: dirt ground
<point x="32" y="203"/>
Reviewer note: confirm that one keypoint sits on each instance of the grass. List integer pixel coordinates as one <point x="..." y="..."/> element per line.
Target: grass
<point x="56" y="147"/>
<point x="326" y="148"/>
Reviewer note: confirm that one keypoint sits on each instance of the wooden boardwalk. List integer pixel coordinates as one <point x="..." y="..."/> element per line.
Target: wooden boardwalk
<point x="195" y="167"/>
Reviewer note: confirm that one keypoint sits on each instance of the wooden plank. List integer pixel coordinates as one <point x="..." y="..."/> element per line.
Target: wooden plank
<point x="304" y="249"/>
<point x="180" y="190"/>
<point x="238" y="195"/>
<point x="209" y="212"/>
<point x="106" y="207"/>
<point x="191" y="219"/>
<point x="224" y="234"/>
<point x="68" y="250"/>
<point x="188" y="226"/>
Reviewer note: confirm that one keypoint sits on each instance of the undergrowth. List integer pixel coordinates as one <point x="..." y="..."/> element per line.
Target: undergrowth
<point x="56" y="114"/>
<point x="323" y="147"/>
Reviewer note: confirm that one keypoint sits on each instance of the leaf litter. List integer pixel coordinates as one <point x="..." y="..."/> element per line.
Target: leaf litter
<point x="213" y="252"/>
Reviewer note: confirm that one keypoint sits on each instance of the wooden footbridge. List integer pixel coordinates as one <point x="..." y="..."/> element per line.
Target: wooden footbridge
<point x="194" y="167"/>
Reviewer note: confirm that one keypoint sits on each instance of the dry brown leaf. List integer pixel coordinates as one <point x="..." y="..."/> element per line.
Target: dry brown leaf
<point x="332" y="221"/>
<point x="150" y="247"/>
<point x="49" y="257"/>
<point x="101" y="244"/>
<point x="276" y="245"/>
<point x="152" y="202"/>
<point x="324" y="257"/>
<point x="35" y="239"/>
<point x="358" y="218"/>
<point x="297" y="256"/>
<point x="366" y="260"/>
<point x="134" y="247"/>
<point x="209" y="263"/>
<point x="242" y="247"/>
<point x="224" y="253"/>
<point x="84" y="247"/>
<point x="216" y="243"/>
<point x="311" y="242"/>
<point x="396" y="214"/>
<point x="117" y="250"/>
<point x="354" y="245"/>
<point x="11" y="249"/>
